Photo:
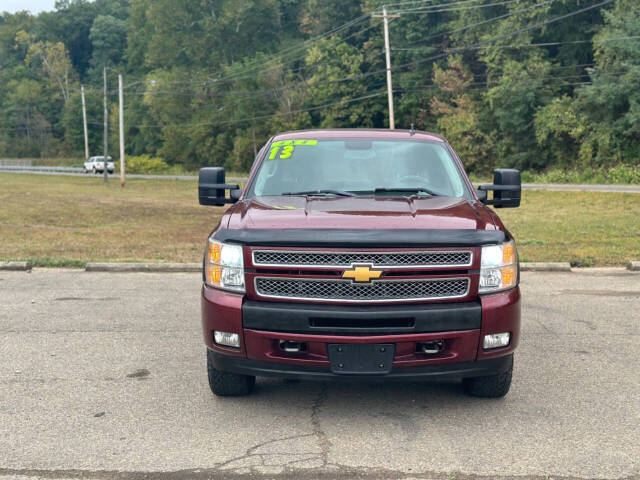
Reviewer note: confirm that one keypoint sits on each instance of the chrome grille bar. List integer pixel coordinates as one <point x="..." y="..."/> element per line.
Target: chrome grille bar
<point x="323" y="259"/>
<point x="329" y="290"/>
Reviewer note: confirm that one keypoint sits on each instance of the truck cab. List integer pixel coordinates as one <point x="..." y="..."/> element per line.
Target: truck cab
<point x="360" y="254"/>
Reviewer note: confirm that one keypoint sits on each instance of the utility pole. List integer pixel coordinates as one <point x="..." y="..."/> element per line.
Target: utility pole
<point x="84" y="121"/>
<point x="255" y="147"/>
<point x="121" y="122"/>
<point x="392" y="120"/>
<point x="106" y="118"/>
<point x="387" y="49"/>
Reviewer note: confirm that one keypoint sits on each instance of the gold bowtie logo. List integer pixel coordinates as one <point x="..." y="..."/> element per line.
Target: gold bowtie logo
<point x="362" y="274"/>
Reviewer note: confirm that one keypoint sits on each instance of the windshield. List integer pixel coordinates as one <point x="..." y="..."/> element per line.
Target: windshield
<point x="358" y="166"/>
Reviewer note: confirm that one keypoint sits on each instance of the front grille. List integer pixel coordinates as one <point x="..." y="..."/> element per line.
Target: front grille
<point x="451" y="258"/>
<point x="346" y="290"/>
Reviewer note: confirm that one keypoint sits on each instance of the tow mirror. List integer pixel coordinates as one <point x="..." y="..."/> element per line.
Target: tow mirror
<point x="212" y="186"/>
<point x="506" y="187"/>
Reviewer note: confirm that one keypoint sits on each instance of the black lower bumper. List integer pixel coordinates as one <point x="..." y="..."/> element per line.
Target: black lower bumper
<point x="247" y="366"/>
<point x="361" y="319"/>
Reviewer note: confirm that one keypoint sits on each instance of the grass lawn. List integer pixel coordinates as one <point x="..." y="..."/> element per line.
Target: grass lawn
<point x="56" y="220"/>
<point x="587" y="229"/>
<point x="67" y="221"/>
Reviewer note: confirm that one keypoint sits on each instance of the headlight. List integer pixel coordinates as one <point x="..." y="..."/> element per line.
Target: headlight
<point x="224" y="266"/>
<point x="499" y="268"/>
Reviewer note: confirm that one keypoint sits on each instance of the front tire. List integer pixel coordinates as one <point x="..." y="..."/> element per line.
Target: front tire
<point x="227" y="384"/>
<point x="492" y="386"/>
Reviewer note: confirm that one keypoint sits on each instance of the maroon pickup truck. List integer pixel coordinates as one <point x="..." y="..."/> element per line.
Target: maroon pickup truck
<point x="360" y="254"/>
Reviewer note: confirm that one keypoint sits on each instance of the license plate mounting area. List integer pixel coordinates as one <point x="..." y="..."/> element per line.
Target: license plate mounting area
<point x="361" y="358"/>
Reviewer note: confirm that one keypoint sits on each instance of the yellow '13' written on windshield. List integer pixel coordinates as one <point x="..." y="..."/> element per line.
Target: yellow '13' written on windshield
<point x="283" y="149"/>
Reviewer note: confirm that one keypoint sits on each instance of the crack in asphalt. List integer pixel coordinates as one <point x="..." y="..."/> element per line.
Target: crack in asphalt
<point x="318" y="432"/>
<point x="276" y="459"/>
<point x="253" y="459"/>
<point x="85" y="299"/>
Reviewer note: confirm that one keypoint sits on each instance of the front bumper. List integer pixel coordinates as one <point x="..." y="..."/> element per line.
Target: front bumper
<point x="460" y="326"/>
<point x="247" y="366"/>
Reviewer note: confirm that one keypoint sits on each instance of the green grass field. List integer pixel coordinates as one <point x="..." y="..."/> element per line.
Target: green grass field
<point x="67" y="221"/>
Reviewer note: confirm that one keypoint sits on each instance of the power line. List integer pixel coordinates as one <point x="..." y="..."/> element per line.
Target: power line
<point x="553" y="44"/>
<point x="369" y="73"/>
<point x="544" y="44"/>
<point x="447" y="8"/>
<point x="477" y="44"/>
<point x="529" y="76"/>
<point x="483" y="22"/>
<point x="470" y="47"/>
<point x="258" y="64"/>
<point x="287" y="51"/>
<point x="420" y="4"/>
<point x="244" y="74"/>
<point x="276" y="67"/>
<point x="369" y="96"/>
<point x="501" y="37"/>
<point x="483" y="86"/>
<point x="239" y="76"/>
<point x="262" y="117"/>
<point x="474" y="86"/>
<point x="460" y="49"/>
<point x="423" y="87"/>
<point x="413" y="2"/>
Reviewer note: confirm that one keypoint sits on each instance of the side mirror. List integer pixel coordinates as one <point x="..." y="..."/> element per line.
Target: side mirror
<point x="211" y="187"/>
<point x="506" y="187"/>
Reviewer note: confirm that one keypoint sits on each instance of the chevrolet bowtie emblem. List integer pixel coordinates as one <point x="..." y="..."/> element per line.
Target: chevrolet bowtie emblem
<point x="362" y="274"/>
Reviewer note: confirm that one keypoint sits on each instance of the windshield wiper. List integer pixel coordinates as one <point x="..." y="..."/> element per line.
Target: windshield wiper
<point x="407" y="190"/>
<point x="328" y="191"/>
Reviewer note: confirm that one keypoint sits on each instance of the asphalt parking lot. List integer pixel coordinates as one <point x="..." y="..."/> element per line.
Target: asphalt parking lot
<point x="102" y="375"/>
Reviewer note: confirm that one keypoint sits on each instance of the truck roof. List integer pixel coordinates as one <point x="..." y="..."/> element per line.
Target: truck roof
<point x="372" y="133"/>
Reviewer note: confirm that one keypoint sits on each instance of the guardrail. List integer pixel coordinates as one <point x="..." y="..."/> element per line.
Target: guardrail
<point x="16" y="162"/>
<point x="41" y="169"/>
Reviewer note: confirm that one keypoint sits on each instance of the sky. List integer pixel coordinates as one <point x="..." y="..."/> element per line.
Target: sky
<point x="34" y="6"/>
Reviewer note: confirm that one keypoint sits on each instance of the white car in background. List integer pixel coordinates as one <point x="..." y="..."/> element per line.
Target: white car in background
<point x="96" y="165"/>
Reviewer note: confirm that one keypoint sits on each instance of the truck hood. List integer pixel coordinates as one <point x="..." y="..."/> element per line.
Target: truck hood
<point x="359" y="212"/>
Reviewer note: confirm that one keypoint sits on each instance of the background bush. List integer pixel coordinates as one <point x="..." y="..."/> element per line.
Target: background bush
<point x="144" y="164"/>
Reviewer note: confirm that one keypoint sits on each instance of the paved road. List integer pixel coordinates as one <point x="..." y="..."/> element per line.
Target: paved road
<point x="525" y="186"/>
<point x="102" y="376"/>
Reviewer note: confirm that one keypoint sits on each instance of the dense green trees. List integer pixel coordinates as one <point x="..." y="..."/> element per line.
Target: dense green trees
<point x="524" y="83"/>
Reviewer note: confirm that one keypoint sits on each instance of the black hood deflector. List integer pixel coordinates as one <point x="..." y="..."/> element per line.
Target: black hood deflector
<point x="338" y="237"/>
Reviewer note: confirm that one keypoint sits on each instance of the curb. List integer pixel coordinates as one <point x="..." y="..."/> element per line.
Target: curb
<point x="15" y="266"/>
<point x="545" y="267"/>
<point x="143" y="267"/>
<point x="634" y="266"/>
<point x="197" y="267"/>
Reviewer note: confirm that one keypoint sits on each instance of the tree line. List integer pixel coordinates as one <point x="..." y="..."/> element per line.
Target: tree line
<point x="530" y="84"/>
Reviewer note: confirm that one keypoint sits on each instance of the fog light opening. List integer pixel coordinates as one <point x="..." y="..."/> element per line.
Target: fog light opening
<point x="292" y="347"/>
<point x="226" y="339"/>
<point x="496" y="340"/>
<point x="431" y="347"/>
